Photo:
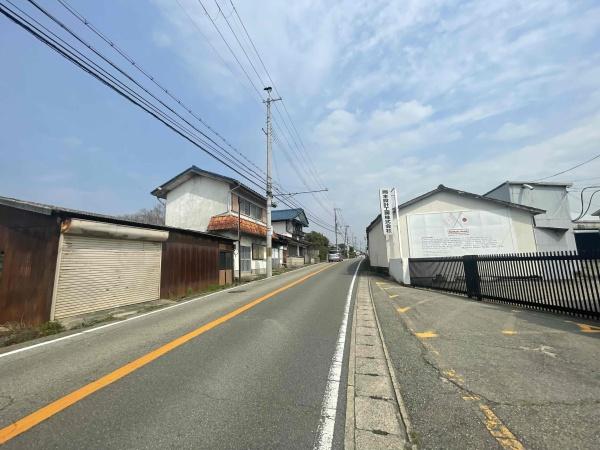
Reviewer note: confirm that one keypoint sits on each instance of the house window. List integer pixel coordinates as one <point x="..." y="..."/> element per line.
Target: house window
<point x="259" y="251"/>
<point x="250" y="209"/>
<point x="225" y="260"/>
<point x="245" y="259"/>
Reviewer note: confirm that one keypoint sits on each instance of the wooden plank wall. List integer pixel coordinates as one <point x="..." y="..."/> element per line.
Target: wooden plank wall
<point x="190" y="264"/>
<point x="30" y="245"/>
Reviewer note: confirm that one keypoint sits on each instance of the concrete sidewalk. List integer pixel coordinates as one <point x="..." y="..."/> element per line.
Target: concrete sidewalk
<point x="481" y="375"/>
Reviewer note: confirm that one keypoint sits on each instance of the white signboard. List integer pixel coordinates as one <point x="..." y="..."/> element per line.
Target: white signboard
<point x="460" y="233"/>
<point x="386" y="213"/>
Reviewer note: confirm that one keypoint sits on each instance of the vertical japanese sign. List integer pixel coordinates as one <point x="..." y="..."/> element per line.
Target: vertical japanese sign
<point x="386" y="213"/>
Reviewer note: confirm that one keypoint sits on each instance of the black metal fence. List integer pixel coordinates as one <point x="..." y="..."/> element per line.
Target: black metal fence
<point x="563" y="282"/>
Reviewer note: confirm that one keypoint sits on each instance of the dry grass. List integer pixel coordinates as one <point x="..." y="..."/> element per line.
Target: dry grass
<point x="17" y="332"/>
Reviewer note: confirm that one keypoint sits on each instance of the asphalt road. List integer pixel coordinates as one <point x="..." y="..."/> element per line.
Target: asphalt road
<point x="483" y="375"/>
<point x="255" y="381"/>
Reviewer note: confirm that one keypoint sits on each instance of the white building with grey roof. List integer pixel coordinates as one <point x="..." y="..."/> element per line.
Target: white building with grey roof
<point x="451" y="222"/>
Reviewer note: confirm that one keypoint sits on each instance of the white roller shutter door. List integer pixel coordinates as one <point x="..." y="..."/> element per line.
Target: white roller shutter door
<point x="97" y="273"/>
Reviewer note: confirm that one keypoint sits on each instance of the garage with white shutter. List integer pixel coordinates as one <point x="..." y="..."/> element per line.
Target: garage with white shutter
<point x="102" y="266"/>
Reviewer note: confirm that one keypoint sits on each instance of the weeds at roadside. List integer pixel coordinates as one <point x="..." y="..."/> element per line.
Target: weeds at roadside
<point x="17" y="332"/>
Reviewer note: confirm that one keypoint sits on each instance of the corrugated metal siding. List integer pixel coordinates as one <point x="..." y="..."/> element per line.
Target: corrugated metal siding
<point x="30" y="244"/>
<point x="98" y="273"/>
<point x="190" y="263"/>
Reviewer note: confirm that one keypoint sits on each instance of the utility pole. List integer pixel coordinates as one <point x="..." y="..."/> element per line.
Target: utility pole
<point x="335" y="210"/>
<point x="269" y="255"/>
<point x="346" y="240"/>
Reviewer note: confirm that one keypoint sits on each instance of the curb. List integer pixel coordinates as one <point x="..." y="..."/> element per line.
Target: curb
<point x="349" y="437"/>
<point x="399" y="400"/>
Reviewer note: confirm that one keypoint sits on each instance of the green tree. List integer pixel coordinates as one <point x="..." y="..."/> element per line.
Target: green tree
<point x="317" y="240"/>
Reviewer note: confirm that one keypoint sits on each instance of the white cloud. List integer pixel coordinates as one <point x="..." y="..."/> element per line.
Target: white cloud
<point x="512" y="131"/>
<point x="400" y="116"/>
<point x="406" y="92"/>
<point x="337" y="128"/>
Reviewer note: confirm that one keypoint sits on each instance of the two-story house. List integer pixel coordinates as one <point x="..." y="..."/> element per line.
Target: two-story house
<point x="197" y="199"/>
<point x="289" y="224"/>
<point x="553" y="229"/>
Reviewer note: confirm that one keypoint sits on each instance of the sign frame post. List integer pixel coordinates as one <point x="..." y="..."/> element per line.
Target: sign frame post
<point x="386" y="220"/>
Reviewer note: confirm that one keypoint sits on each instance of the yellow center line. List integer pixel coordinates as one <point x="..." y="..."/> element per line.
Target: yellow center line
<point x="394" y="296"/>
<point x="403" y="310"/>
<point x="33" y="419"/>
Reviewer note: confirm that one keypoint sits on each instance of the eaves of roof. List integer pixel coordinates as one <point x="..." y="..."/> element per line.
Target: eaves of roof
<point x="51" y="210"/>
<point x="162" y="190"/>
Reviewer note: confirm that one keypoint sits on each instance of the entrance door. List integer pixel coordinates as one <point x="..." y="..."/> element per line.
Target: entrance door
<point x="225" y="267"/>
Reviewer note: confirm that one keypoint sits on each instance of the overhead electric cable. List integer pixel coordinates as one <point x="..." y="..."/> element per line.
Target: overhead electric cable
<point x="229" y="47"/>
<point x="106" y="80"/>
<point x="570" y="168"/>
<point x="152" y="78"/>
<point x="129" y="59"/>
<point x="118" y="86"/>
<point x="310" y="165"/>
<point x="226" y="156"/>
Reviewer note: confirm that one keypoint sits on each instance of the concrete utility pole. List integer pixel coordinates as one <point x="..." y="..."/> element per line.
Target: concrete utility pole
<point x="269" y="255"/>
<point x="335" y="210"/>
<point x="346" y="240"/>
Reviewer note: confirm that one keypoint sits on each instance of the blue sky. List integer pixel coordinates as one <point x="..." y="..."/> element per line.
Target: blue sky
<point x="408" y="94"/>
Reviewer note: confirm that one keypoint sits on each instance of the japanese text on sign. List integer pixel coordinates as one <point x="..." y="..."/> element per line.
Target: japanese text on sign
<point x="386" y="214"/>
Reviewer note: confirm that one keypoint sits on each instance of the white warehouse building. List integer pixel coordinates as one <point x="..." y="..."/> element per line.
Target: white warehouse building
<point x="450" y="222"/>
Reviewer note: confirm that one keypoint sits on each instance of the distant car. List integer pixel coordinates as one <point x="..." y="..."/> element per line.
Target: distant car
<point x="334" y="257"/>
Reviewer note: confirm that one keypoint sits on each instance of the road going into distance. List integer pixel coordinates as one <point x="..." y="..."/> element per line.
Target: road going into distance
<point x="244" y="368"/>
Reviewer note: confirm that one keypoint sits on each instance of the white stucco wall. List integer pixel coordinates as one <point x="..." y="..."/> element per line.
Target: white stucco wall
<point x="193" y="203"/>
<point x="399" y="270"/>
<point x="257" y="266"/>
<point x="378" y="252"/>
<point x="521" y="224"/>
<point x="280" y="228"/>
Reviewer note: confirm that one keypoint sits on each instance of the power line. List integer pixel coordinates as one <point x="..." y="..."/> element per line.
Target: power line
<point x="302" y="156"/>
<point x="105" y="78"/>
<point x="220" y="150"/>
<point x="582" y="212"/>
<point x="272" y="83"/>
<point x="70" y="53"/>
<point x="215" y="26"/>
<point x="570" y="168"/>
<point x="152" y="78"/>
<point x="231" y="50"/>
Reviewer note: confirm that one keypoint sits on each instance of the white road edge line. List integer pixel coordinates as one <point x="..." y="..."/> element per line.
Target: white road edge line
<point x="92" y="330"/>
<point x="324" y="440"/>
